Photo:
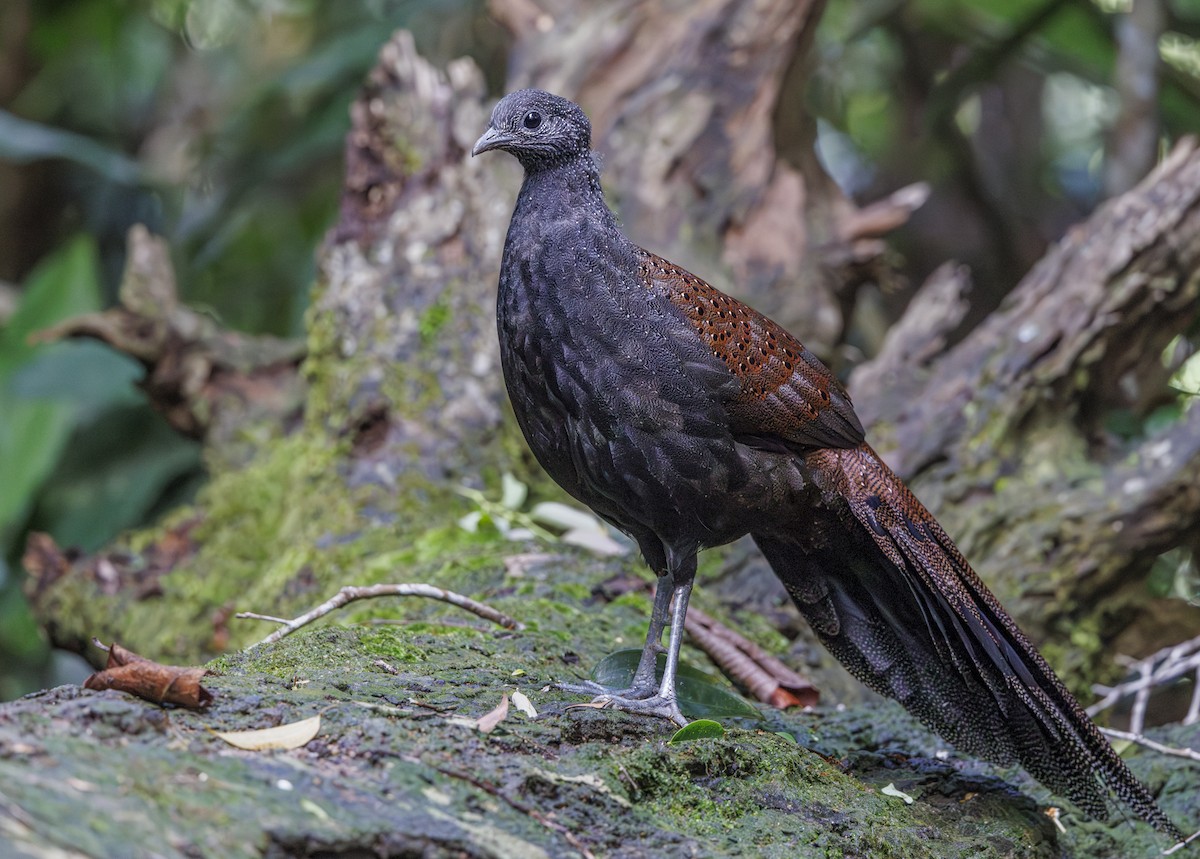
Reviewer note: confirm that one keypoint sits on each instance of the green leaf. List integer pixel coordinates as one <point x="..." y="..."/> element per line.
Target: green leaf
<point x="82" y="372"/>
<point x="113" y="472"/>
<point x="1187" y="378"/>
<point x="701" y="729"/>
<point x="34" y="430"/>
<point x="23" y="141"/>
<point x="1164" y="417"/>
<point x="31" y="437"/>
<point x="698" y="693"/>
<point x="66" y="284"/>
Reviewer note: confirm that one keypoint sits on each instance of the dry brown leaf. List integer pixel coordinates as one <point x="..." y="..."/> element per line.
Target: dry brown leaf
<point x="488" y="722"/>
<point x="128" y="672"/>
<point x="782" y="698"/>
<point x="293" y="735"/>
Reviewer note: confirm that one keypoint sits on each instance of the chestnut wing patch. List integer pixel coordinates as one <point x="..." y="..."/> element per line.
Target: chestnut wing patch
<point x="787" y="398"/>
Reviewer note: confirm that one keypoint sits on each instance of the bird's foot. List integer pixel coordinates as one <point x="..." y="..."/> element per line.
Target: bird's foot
<point x="645" y="702"/>
<point x="636" y="692"/>
<point x="655" y="705"/>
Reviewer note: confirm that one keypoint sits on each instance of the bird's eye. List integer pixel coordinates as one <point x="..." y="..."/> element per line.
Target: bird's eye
<point x="532" y="120"/>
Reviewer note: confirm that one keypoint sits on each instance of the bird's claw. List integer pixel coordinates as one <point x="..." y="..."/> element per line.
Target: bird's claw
<point x="646" y="702"/>
<point x="655" y="705"/>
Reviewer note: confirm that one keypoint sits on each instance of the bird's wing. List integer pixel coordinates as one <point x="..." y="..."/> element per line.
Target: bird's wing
<point x="787" y="399"/>
<point x="894" y="600"/>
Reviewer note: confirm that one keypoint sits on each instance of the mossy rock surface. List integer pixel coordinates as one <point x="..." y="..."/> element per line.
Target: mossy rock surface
<point x="400" y="769"/>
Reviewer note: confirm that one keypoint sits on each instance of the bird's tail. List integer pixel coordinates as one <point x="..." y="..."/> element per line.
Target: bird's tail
<point x="894" y="600"/>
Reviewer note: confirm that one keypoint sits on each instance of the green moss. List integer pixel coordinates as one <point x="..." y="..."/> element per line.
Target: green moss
<point x="337" y="375"/>
<point x="680" y="779"/>
<point x="409" y="644"/>
<point x="323" y="368"/>
<point x="575" y="591"/>
<point x="398" y="742"/>
<point x="634" y="600"/>
<point x="756" y="788"/>
<point x="309" y="654"/>
<point x="279" y="536"/>
<point x="432" y="321"/>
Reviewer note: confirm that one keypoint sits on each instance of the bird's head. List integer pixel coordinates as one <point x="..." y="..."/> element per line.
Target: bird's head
<point x="538" y="128"/>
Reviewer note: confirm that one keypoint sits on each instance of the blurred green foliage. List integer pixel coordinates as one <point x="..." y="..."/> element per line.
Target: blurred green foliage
<point x="1007" y="107"/>
<point x="217" y="123"/>
<point x="72" y="423"/>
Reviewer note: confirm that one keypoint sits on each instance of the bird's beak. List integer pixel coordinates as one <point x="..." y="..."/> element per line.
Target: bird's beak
<point x="491" y="139"/>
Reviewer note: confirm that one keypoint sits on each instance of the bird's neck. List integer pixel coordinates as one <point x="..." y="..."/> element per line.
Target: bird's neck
<point x="565" y="190"/>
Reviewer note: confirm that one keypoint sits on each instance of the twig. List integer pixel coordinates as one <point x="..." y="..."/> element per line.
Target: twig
<point x="1184" y="843"/>
<point x="1141" y="700"/>
<point x="743" y="661"/>
<point x="884" y="215"/>
<point x="351" y="593"/>
<point x="1193" y="713"/>
<point x="1142" y="740"/>
<point x="532" y="812"/>
<point x="1156" y="670"/>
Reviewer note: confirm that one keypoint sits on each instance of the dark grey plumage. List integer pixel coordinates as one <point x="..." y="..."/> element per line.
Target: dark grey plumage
<point x="688" y="420"/>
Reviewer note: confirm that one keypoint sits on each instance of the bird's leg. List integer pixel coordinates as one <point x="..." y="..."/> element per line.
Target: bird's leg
<point x="663" y="701"/>
<point x="683" y="593"/>
<point x="645" y="681"/>
<point x="660" y="701"/>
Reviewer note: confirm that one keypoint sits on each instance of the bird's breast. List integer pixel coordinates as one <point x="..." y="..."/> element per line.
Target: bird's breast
<point x="622" y="405"/>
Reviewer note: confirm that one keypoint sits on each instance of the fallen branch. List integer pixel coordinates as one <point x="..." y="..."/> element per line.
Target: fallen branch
<point x="748" y="665"/>
<point x="350" y="593"/>
<point x="1156" y="670"/>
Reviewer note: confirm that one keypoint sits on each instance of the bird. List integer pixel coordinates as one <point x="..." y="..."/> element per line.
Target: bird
<point x="687" y="420"/>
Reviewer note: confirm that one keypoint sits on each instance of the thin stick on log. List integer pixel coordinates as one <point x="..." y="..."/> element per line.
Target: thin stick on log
<point x="1141" y="700"/>
<point x="350" y="593"/>
<point x="1184" y="843"/>
<point x="1193" y="713"/>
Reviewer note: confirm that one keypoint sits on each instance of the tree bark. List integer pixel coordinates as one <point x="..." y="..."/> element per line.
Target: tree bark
<point x="1005" y="433"/>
